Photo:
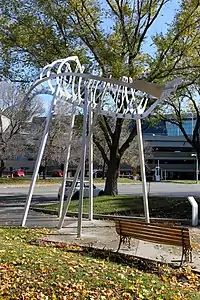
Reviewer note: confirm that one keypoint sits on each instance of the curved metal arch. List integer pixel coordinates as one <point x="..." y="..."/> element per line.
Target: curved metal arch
<point x="119" y="86"/>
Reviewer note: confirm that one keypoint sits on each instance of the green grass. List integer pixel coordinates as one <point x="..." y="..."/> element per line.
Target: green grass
<point x="120" y="180"/>
<point x="34" y="270"/>
<point x="181" y="181"/>
<point x="21" y="181"/>
<point x="170" y="207"/>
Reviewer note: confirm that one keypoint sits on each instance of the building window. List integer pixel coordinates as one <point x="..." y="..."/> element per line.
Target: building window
<point x="187" y="124"/>
<point x="174" y="130"/>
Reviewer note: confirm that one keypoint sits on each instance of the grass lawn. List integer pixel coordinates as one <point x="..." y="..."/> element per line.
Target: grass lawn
<point x="170" y="207"/>
<point x="21" y="181"/>
<point x="34" y="270"/>
<point x="181" y="181"/>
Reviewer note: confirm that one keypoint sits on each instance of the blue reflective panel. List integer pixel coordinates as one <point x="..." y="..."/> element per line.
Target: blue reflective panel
<point x="172" y="129"/>
<point x="187" y="124"/>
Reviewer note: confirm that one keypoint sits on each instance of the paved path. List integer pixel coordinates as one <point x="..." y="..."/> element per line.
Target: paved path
<point x="10" y="216"/>
<point x="12" y="201"/>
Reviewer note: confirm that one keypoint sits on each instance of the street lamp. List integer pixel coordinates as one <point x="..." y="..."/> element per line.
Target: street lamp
<point x="197" y="167"/>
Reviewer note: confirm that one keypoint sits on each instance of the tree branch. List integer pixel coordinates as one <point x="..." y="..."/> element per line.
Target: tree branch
<point x="105" y="132"/>
<point x="126" y="144"/>
<point x="101" y="149"/>
<point x="108" y="126"/>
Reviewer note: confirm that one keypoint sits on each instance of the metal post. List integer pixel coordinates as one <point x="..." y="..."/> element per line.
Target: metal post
<point x="66" y="205"/>
<point x="62" y="194"/>
<point x="142" y="169"/>
<point x="90" y="213"/>
<point x="71" y="191"/>
<point x="39" y="157"/>
<point x="192" y="123"/>
<point x="82" y="162"/>
<point x="197" y="169"/>
<point x="195" y="219"/>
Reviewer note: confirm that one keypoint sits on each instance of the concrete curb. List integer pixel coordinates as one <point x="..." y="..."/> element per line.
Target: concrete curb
<point x="26" y="185"/>
<point x="112" y="217"/>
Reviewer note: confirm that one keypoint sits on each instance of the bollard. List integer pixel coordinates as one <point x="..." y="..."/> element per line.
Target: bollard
<point x="194" y="210"/>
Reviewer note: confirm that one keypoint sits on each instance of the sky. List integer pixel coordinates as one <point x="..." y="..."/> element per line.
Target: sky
<point x="160" y="25"/>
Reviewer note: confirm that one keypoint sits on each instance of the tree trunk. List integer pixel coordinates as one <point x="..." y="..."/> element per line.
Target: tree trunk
<point x="44" y="173"/>
<point x="2" y="167"/>
<point x="103" y="169"/>
<point x="112" y="176"/>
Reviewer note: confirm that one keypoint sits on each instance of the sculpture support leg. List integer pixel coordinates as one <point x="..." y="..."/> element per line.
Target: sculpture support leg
<point x="142" y="169"/>
<point x="62" y="194"/>
<point x="90" y="213"/>
<point x="66" y="205"/>
<point x="82" y="163"/>
<point x="39" y="157"/>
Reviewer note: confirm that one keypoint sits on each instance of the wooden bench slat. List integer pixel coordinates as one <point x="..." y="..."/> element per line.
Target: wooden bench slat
<point x="158" y="240"/>
<point x="181" y="233"/>
<point x="139" y="233"/>
<point x="150" y="226"/>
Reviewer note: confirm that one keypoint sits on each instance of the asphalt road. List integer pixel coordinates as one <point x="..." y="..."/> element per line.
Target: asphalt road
<point x="12" y="200"/>
<point x="49" y="194"/>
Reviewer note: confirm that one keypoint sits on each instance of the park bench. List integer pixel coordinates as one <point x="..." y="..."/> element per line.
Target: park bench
<point x="155" y="233"/>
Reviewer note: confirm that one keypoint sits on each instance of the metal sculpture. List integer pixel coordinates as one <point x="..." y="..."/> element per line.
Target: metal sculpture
<point x="124" y="98"/>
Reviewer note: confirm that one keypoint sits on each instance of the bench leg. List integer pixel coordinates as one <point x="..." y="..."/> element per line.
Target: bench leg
<point x="183" y="255"/>
<point x="186" y="256"/>
<point x="191" y="256"/>
<point x="120" y="242"/>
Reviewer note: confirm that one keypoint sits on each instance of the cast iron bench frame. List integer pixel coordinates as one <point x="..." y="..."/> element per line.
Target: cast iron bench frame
<point x="155" y="233"/>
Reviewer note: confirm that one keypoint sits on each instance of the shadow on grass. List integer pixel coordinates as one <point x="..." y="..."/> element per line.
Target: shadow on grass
<point x="142" y="264"/>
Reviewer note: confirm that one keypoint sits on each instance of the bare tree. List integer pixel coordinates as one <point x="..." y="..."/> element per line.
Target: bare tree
<point x="14" y="113"/>
<point x="57" y="142"/>
<point x="131" y="155"/>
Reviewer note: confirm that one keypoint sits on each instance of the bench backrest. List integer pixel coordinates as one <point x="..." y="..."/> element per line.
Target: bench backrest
<point x="161" y="234"/>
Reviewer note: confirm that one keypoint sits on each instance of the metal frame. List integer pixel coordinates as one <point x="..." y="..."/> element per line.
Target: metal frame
<point x="66" y="80"/>
<point x="90" y="212"/>
<point x="39" y="157"/>
<point x="69" y="141"/>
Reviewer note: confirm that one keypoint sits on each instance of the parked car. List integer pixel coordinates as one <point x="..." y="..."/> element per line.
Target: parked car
<point x="96" y="191"/>
<point x="18" y="173"/>
<point x="57" y="173"/>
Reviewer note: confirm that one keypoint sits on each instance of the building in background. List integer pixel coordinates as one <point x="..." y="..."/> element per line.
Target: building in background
<point x="172" y="154"/>
<point x="171" y="157"/>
